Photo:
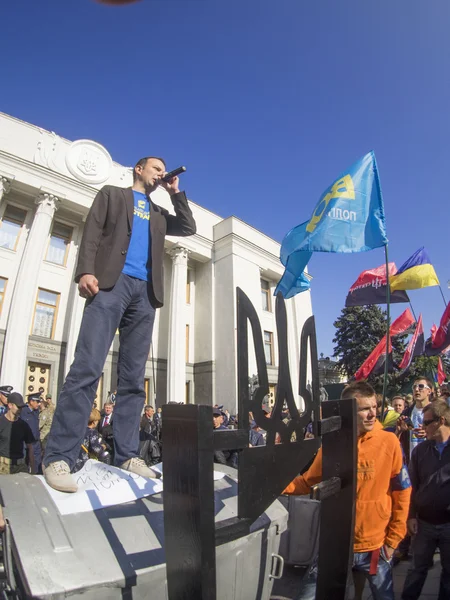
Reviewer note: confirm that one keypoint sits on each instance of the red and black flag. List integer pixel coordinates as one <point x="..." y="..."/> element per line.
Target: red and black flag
<point x="371" y="288"/>
<point x="415" y="347"/>
<point x="376" y="359"/>
<point x="441" y="338"/>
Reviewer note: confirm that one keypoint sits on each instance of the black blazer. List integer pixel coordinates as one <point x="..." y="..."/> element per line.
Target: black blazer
<point x="107" y="233"/>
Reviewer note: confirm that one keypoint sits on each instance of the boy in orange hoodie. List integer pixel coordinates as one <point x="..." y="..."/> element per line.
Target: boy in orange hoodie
<point x="382" y="495"/>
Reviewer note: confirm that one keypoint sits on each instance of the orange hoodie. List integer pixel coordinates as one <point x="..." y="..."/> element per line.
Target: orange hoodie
<point x="381" y="502"/>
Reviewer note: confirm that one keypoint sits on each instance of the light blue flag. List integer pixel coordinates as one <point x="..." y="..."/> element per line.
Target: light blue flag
<point x="349" y="217"/>
<point x="294" y="279"/>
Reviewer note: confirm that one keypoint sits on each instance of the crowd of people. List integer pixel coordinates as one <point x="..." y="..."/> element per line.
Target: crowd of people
<point x="403" y="489"/>
<point x="403" y="472"/>
<point x="25" y="427"/>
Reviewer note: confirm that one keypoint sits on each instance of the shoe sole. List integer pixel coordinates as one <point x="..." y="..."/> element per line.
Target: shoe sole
<point x="62" y="489"/>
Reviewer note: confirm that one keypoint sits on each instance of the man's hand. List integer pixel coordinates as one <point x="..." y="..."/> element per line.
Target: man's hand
<point x="171" y="186"/>
<point x="88" y="286"/>
<point x="411" y="524"/>
<point x="420" y="432"/>
<point x="401" y="426"/>
<point x="389" y="551"/>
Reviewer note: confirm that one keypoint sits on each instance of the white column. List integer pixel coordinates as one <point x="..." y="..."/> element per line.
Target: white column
<point x="176" y="363"/>
<point x="24" y="296"/>
<point x="76" y="316"/>
<point x="5" y="186"/>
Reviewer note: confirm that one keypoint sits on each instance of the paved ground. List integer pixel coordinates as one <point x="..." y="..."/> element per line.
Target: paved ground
<point x="431" y="588"/>
<point x="287" y="587"/>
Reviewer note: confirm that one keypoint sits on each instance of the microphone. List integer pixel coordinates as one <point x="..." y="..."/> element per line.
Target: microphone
<point x="173" y="173"/>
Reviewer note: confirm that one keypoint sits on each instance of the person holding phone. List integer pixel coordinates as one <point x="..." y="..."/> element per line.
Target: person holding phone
<point x="411" y="432"/>
<point x="410" y="424"/>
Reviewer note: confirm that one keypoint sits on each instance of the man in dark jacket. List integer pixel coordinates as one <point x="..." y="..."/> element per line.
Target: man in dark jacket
<point x="30" y="414"/>
<point x="429" y="513"/>
<point x="120" y="273"/>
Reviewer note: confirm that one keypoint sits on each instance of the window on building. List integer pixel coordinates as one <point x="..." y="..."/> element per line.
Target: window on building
<point x="188" y="287"/>
<point x="147" y="390"/>
<point x="45" y="313"/>
<point x="187" y="343"/>
<point x="3" y="283"/>
<point x="11" y="225"/>
<point x="58" y="246"/>
<point x="268" y="347"/>
<point x="265" y="295"/>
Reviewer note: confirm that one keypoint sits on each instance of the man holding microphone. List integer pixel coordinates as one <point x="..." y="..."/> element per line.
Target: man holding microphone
<point x="120" y="273"/>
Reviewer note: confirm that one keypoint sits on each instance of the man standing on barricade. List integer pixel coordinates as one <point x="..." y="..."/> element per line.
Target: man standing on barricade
<point x="382" y="496"/>
<point x="120" y="273"/>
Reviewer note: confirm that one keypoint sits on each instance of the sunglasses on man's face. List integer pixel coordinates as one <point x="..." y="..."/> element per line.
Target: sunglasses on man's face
<point x="421" y="386"/>
<point x="427" y="422"/>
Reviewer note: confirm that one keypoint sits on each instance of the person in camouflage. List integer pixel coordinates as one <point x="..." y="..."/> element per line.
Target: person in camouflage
<point x="47" y="410"/>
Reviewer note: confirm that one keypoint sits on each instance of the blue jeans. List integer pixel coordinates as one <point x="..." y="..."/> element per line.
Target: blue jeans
<point x="381" y="584"/>
<point x="424" y="544"/>
<point x="125" y="306"/>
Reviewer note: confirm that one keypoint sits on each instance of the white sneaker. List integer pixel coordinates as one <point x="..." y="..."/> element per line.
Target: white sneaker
<point x="57" y="475"/>
<point x="138" y="466"/>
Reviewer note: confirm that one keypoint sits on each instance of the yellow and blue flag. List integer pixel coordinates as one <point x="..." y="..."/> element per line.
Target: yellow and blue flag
<point x="417" y="272"/>
<point x="349" y="217"/>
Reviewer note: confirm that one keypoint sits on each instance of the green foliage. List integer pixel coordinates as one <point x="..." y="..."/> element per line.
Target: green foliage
<point x="358" y="331"/>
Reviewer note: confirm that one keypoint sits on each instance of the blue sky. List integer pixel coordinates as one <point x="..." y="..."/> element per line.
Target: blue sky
<point x="265" y="102"/>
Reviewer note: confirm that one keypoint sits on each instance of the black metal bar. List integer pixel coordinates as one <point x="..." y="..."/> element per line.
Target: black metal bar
<point x="328" y="425"/>
<point x="231" y="529"/>
<point x="189" y="502"/>
<point x="322" y="490"/>
<point x="312" y="400"/>
<point x="285" y="460"/>
<point x="337" y="512"/>
<point x="247" y="313"/>
<point x="231" y="439"/>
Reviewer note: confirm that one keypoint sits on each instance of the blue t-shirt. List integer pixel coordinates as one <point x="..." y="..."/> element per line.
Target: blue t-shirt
<point x="137" y="263"/>
<point x="440" y="447"/>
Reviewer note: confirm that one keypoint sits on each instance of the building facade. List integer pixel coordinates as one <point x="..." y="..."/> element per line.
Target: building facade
<point x="47" y="185"/>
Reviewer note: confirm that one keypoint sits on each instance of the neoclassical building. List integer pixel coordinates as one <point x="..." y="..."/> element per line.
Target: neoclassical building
<point x="47" y="185"/>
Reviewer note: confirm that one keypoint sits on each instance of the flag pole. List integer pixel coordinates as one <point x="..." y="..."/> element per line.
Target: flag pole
<point x="388" y="326"/>
<point x="412" y="310"/>
<point x="443" y="297"/>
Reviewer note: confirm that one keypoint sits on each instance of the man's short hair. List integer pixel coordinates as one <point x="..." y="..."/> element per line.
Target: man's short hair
<point x="439" y="408"/>
<point x="362" y="388"/>
<point x="143" y="161"/>
<point x="147" y="406"/>
<point x="109" y="403"/>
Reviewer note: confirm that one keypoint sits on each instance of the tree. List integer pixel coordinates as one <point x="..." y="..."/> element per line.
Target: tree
<point x="358" y="331"/>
